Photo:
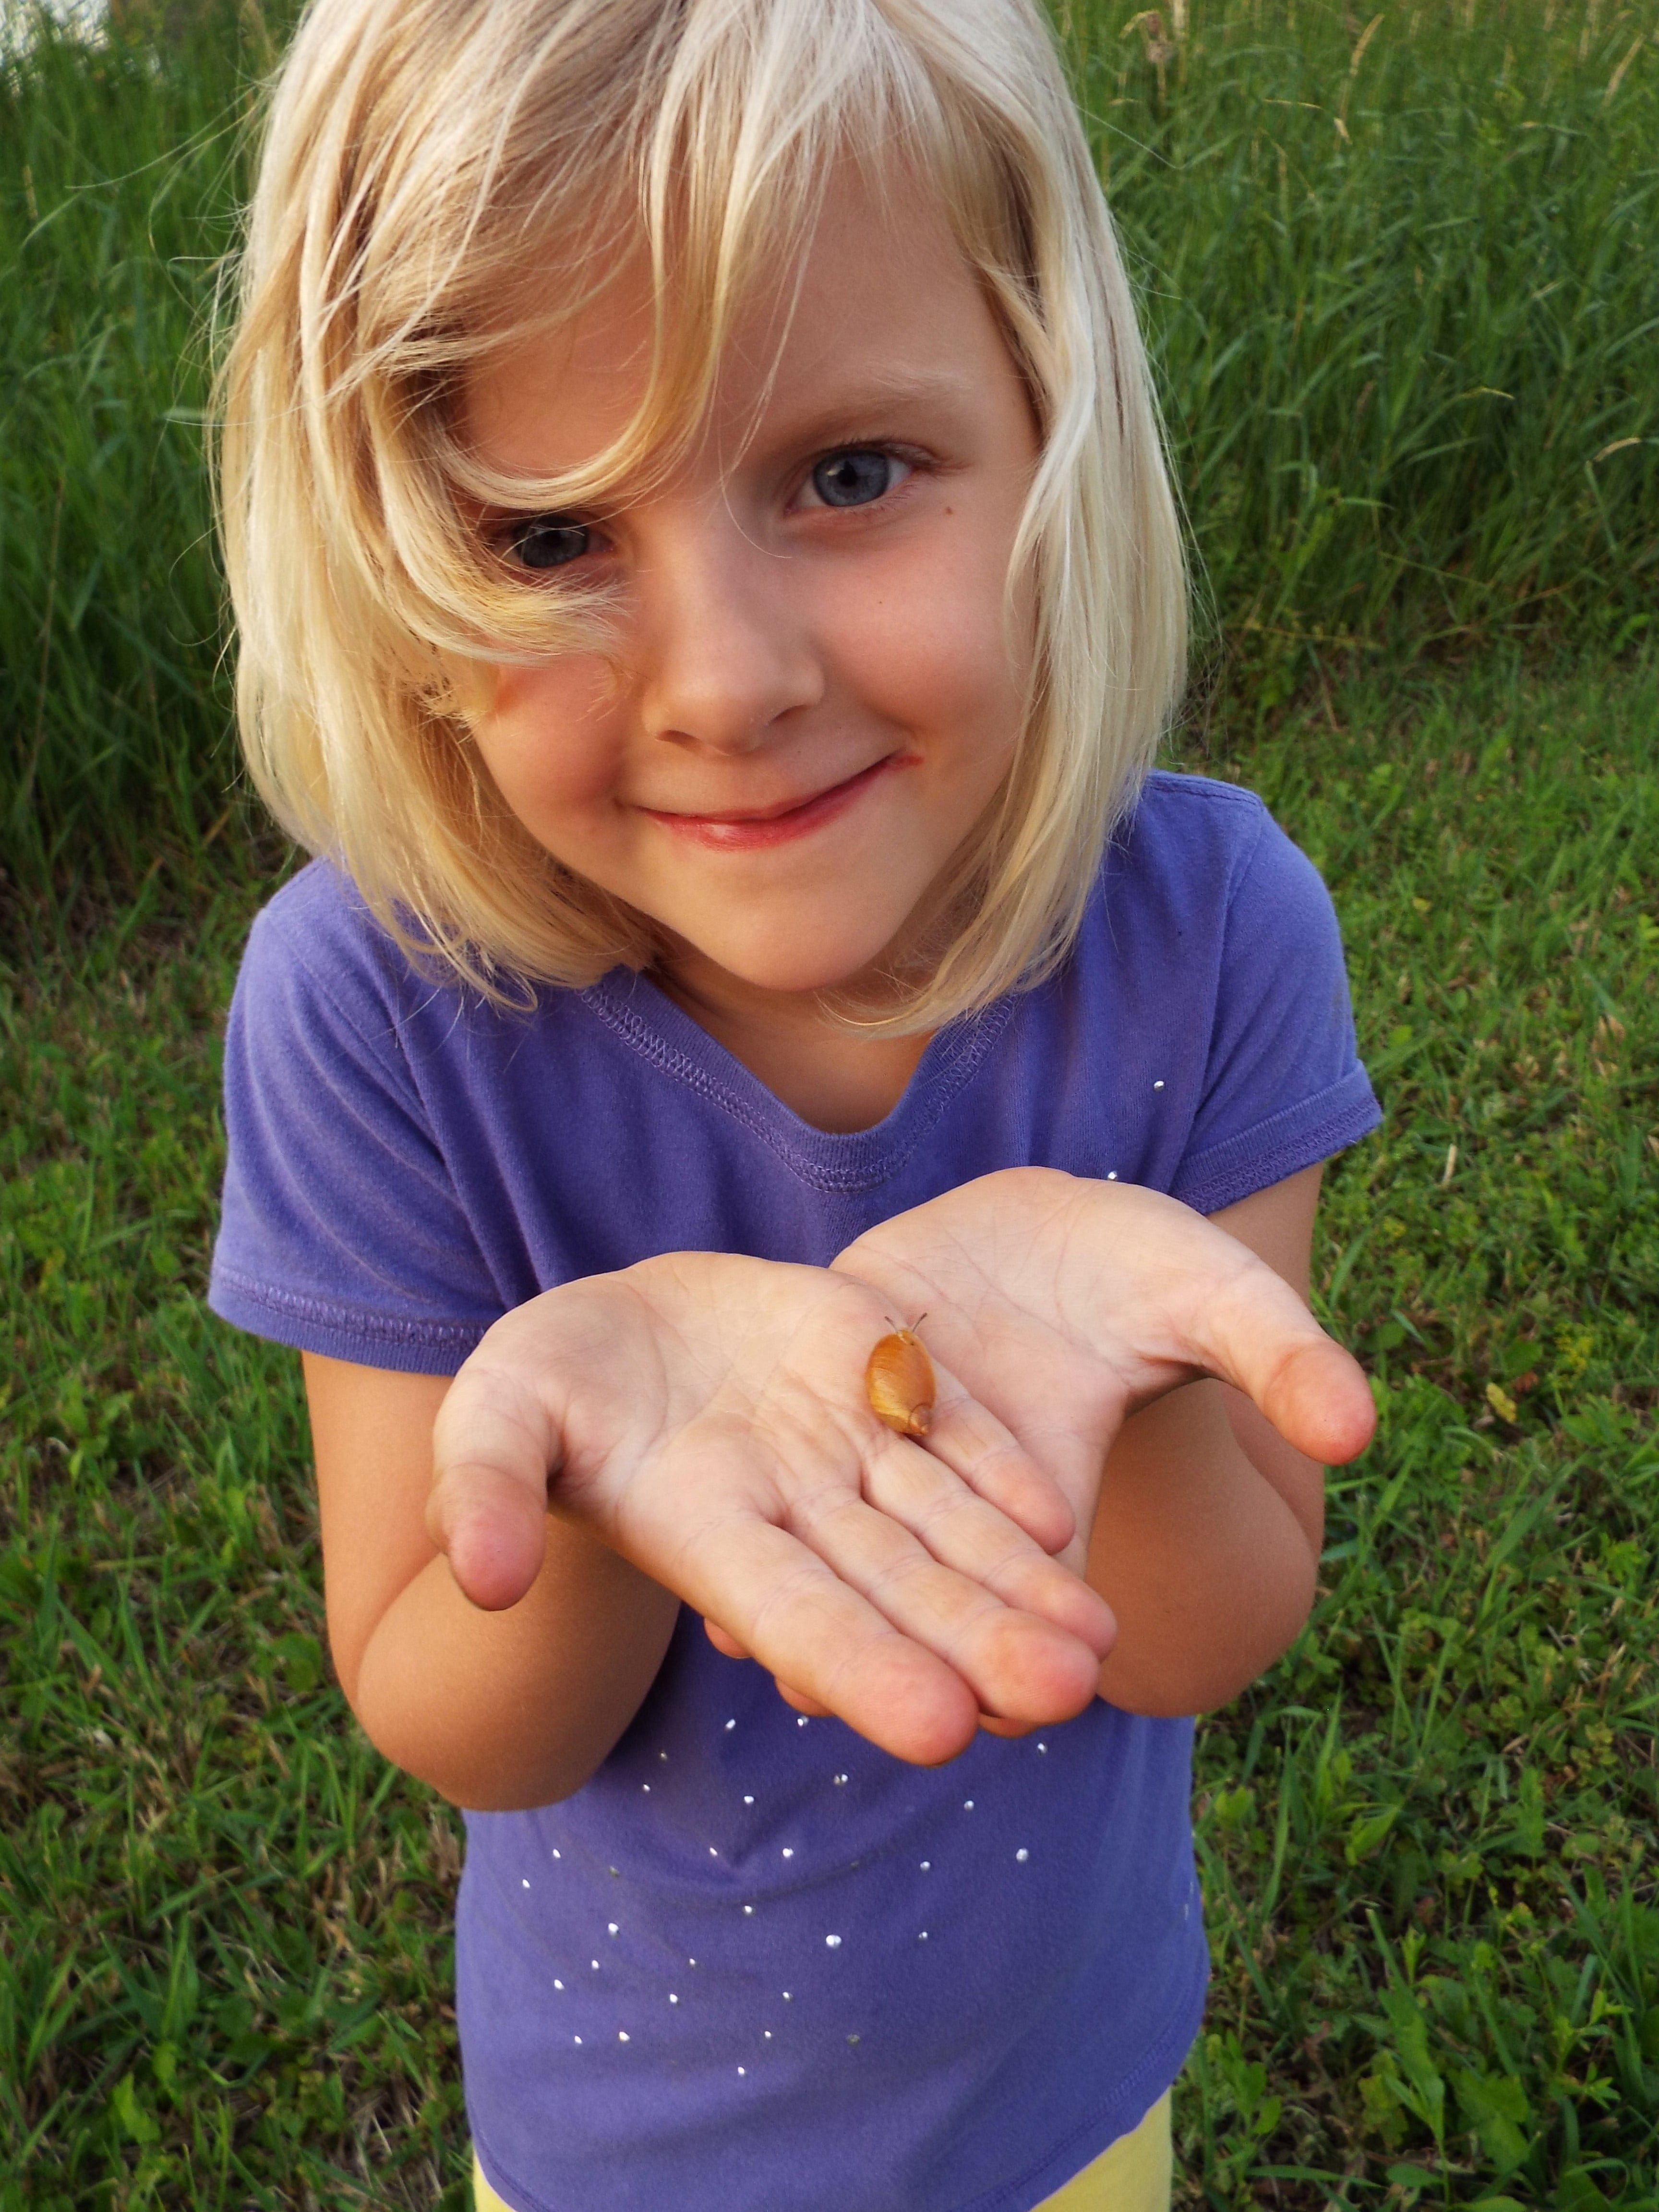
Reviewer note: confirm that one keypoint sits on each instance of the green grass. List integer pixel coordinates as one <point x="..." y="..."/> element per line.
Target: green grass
<point x="1403" y="303"/>
<point x="119" y="168"/>
<point x="1425" y="1838"/>
<point x="1399" y="287"/>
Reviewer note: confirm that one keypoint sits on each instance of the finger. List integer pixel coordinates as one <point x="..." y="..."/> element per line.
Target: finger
<point x="492" y="1447"/>
<point x="493" y="1531"/>
<point x="962" y="1531"/>
<point x="970" y="1440"/>
<point x="1019" y="1665"/>
<point x="821" y="1640"/>
<point x="802" y="1704"/>
<point x="1319" y="1400"/>
<point x="728" y="1646"/>
<point x="1256" y="1333"/>
<point x="916" y="1695"/>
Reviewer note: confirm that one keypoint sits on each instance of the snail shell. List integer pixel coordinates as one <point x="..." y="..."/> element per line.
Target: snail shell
<point x="899" y="1383"/>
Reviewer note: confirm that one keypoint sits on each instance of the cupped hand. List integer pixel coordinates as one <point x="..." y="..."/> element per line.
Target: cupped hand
<point x="1064" y="1304"/>
<point x="706" y="1414"/>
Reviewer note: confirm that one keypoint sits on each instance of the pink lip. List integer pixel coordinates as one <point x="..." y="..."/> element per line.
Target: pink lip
<point x="778" y="825"/>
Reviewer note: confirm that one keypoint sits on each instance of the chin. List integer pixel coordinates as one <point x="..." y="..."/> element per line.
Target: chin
<point x="793" y="968"/>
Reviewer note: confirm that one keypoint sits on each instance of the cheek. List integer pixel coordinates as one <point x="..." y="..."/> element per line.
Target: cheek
<point x="929" y="644"/>
<point x="549" y="735"/>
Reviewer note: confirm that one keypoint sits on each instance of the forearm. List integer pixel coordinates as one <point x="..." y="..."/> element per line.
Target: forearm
<point x="1207" y="1563"/>
<point x="502" y="1711"/>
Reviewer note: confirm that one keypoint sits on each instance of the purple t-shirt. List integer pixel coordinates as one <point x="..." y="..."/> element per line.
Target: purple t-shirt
<point x="756" y="1964"/>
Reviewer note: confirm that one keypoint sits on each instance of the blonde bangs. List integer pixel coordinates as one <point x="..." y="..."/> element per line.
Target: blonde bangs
<point x="441" y="179"/>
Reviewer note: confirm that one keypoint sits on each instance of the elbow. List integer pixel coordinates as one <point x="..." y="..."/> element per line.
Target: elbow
<point x="1183" y="1673"/>
<point x="478" y="1777"/>
<point x="497" y="1768"/>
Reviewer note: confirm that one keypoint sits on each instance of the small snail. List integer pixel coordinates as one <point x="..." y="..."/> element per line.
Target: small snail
<point x="899" y="1383"/>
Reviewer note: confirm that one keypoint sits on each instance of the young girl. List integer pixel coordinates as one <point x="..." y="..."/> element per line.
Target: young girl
<point x="709" y="593"/>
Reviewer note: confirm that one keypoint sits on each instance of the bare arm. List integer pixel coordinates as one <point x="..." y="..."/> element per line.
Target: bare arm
<point x="1208" y="1538"/>
<point x="495" y="1710"/>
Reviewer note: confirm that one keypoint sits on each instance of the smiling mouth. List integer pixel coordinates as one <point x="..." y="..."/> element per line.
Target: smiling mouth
<point x="755" y="829"/>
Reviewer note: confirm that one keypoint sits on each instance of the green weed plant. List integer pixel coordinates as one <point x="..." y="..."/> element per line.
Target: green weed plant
<point x="1425" y="1838"/>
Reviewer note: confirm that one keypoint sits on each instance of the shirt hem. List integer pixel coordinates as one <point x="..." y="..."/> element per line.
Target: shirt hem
<point x="1108" y="2124"/>
<point x="1282" y="1146"/>
<point x="310" y="1324"/>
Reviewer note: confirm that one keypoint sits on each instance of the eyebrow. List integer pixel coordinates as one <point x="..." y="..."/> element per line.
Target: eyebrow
<point x="853" y="412"/>
<point x="866" y="399"/>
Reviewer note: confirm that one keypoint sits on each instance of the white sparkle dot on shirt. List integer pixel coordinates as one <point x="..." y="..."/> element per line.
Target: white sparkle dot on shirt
<point x="557" y="1984"/>
<point x="927" y="1866"/>
<point x="767" y="2033"/>
<point x="730" y="1725"/>
<point x="575" y="2039"/>
<point x="662" y="1755"/>
<point x="966" y="1804"/>
<point x="834" y="1941"/>
<point x="612" y="1926"/>
<point x="611" y="1871"/>
<point x="622" y="2035"/>
<point x="922" y="1937"/>
<point x="713" y="1853"/>
<point x="596" y="1966"/>
<point x="673" y="1999"/>
<point x="743" y="2069"/>
<point x="1158" y="1085"/>
<point x="523" y="1884"/>
<point x="1022" y="1855"/>
<point x="785" y="1997"/>
<point x="749" y="1908"/>
<point x="1111" y="1175"/>
<point x="690" y="1962"/>
<point x="852" y="2038"/>
<point x="747" y="1800"/>
<point x="555" y="1855"/>
<point x="789" y="1850"/>
<point x="1042" y="1747"/>
<point x="800" y="1720"/>
<point x="646" y="1786"/>
<point x="840" y="1778"/>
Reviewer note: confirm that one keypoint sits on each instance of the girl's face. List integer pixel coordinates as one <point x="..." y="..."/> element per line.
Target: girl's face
<point x="812" y="695"/>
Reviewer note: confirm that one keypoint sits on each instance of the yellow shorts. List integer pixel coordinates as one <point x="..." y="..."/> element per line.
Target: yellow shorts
<point x="1131" y="2175"/>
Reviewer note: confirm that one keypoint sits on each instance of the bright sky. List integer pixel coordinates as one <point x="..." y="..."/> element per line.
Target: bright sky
<point x="17" y="16"/>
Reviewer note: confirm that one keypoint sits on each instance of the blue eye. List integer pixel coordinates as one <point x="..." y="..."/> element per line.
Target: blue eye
<point x="854" y="477"/>
<point x="548" y="541"/>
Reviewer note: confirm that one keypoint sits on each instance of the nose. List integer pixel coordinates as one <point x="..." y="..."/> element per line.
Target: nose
<point x="724" y="652"/>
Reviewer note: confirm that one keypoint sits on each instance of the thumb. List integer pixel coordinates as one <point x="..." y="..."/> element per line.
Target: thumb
<point x="493" y="1447"/>
<point x="1263" y="1339"/>
<point x="1319" y="1401"/>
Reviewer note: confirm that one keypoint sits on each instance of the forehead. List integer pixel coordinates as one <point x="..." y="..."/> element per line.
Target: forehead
<point x="879" y="311"/>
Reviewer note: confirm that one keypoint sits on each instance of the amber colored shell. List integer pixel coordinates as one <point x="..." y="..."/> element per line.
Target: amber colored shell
<point x="899" y="1383"/>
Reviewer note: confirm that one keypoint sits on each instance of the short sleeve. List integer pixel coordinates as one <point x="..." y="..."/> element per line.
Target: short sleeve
<point x="1283" y="1084"/>
<point x="341" y="1231"/>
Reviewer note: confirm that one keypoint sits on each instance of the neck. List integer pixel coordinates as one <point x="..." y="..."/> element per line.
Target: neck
<point x="833" y="1079"/>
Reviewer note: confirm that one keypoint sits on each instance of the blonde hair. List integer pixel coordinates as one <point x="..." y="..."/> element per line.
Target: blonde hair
<point x="423" y="159"/>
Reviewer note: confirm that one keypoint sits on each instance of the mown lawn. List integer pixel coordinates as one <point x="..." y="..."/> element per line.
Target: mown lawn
<point x="1426" y="1839"/>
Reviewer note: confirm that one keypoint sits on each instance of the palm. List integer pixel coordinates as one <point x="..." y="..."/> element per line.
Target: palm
<point x="706" y="1414"/>
<point x="1064" y="1304"/>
